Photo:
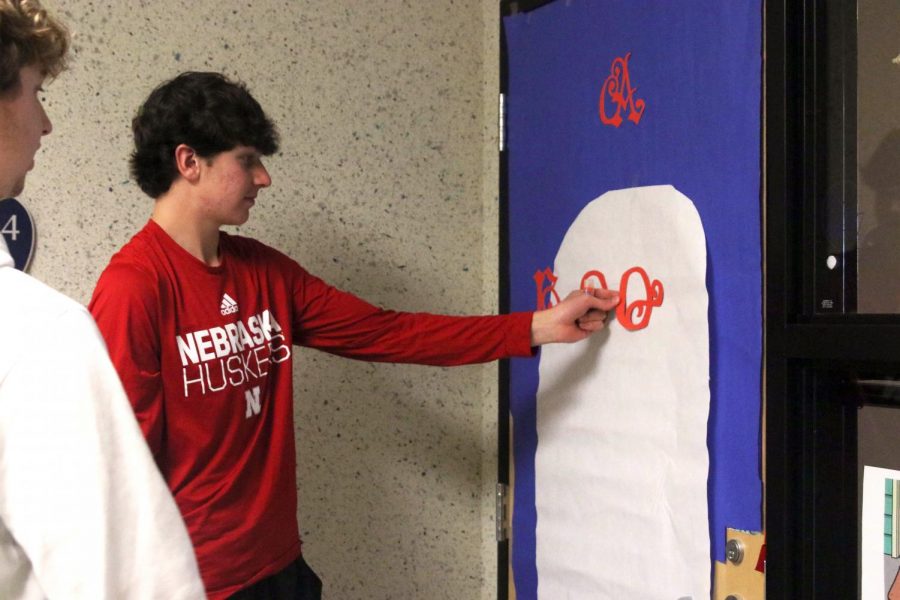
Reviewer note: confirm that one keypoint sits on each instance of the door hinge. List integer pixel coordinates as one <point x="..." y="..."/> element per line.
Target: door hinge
<point x="501" y="131"/>
<point x="501" y="514"/>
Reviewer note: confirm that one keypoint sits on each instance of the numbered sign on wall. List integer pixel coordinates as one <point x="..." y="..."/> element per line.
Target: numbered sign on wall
<point x="17" y="230"/>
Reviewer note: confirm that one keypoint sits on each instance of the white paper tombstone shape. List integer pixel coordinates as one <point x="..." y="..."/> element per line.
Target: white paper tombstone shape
<point x="621" y="463"/>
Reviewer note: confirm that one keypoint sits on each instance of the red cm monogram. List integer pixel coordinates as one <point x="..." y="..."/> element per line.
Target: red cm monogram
<point x="633" y="316"/>
<point x="617" y="88"/>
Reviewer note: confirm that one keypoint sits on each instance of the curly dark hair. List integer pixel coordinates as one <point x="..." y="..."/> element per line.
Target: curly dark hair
<point x="205" y="111"/>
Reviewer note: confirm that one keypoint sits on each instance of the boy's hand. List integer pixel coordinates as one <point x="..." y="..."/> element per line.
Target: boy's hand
<point x="578" y="316"/>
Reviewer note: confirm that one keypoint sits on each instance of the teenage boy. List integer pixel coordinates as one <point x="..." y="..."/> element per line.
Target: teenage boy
<point x="84" y="512"/>
<point x="201" y="327"/>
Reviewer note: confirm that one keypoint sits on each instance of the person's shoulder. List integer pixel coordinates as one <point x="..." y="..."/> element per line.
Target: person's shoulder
<point x="32" y="312"/>
<point x="125" y="283"/>
<point x="131" y="266"/>
<point x="135" y="251"/>
<point x="25" y="297"/>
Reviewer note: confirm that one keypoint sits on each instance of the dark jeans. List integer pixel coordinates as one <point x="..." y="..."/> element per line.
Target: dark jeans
<point x="295" y="582"/>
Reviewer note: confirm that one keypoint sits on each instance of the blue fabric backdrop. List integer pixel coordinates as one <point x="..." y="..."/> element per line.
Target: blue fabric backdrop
<point x="697" y="66"/>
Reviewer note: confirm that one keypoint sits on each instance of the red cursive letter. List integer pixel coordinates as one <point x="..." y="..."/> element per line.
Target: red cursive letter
<point x="618" y="87"/>
<point x="539" y="277"/>
<point x="598" y="275"/>
<point x="640" y="309"/>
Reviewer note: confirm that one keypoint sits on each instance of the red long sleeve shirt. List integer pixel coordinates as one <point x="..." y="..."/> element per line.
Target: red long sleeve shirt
<point x="205" y="356"/>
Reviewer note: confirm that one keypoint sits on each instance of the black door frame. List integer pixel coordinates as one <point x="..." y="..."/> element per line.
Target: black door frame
<point x="814" y="352"/>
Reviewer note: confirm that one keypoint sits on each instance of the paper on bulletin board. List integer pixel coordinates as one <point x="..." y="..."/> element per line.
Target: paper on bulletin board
<point x="621" y="463"/>
<point x="880" y="544"/>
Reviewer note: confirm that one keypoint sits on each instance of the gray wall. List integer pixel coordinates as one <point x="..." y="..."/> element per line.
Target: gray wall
<point x="385" y="186"/>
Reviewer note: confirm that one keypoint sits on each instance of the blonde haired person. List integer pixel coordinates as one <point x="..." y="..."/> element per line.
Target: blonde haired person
<point x="84" y="513"/>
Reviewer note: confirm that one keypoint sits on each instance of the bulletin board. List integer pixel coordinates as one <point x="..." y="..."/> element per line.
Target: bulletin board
<point x="606" y="96"/>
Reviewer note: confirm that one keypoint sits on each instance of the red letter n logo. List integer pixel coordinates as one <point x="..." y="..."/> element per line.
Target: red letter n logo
<point x="252" y="398"/>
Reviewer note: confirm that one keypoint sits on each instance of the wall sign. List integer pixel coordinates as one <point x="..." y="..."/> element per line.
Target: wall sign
<point x="17" y="229"/>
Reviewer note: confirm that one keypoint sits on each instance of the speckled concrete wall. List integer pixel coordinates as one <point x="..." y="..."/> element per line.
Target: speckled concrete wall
<point x="385" y="186"/>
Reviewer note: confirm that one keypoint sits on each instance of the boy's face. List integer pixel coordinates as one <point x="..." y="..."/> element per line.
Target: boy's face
<point x="22" y="123"/>
<point x="231" y="181"/>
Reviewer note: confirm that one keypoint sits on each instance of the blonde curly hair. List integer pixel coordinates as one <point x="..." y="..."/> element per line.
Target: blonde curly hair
<point x="29" y="36"/>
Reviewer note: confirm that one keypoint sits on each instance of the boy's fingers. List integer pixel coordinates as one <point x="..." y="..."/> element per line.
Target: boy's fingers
<point x="593" y="320"/>
<point x="604" y="299"/>
<point x="602" y="293"/>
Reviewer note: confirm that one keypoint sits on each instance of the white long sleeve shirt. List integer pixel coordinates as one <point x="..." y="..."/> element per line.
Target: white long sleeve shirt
<point x="84" y="512"/>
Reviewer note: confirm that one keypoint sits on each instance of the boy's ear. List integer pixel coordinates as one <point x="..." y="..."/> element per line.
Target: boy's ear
<point x="187" y="162"/>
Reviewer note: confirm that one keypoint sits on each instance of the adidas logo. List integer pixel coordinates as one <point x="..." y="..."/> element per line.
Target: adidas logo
<point x="228" y="305"/>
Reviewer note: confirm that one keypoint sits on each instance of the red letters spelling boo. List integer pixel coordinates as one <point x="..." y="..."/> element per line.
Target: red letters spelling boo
<point x="632" y="315"/>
